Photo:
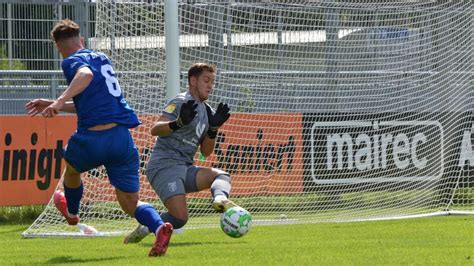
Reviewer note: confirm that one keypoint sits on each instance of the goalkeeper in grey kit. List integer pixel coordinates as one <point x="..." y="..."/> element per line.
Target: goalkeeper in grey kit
<point x="186" y="124"/>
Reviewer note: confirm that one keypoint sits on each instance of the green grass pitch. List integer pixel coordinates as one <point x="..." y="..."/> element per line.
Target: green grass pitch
<point x="447" y="240"/>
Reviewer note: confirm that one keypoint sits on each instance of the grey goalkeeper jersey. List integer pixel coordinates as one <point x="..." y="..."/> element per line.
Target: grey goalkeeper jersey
<point x="181" y="146"/>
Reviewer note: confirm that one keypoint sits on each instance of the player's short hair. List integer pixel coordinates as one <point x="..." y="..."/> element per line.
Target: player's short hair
<point x="65" y="29"/>
<point x="196" y="69"/>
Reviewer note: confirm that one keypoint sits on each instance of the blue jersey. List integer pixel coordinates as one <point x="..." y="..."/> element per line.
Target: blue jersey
<point x="102" y="101"/>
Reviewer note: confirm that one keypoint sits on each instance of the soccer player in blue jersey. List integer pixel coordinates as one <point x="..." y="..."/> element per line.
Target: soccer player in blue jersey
<point x="187" y="123"/>
<point x="102" y="136"/>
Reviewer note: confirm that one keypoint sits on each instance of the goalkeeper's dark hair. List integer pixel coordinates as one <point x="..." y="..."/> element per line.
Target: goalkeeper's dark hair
<point x="65" y="29"/>
<point x="196" y="70"/>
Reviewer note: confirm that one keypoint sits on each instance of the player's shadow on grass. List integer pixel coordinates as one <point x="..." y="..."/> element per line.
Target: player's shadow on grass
<point x="185" y="244"/>
<point x="70" y="259"/>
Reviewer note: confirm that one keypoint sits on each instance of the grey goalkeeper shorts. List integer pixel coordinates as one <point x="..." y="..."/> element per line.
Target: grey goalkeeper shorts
<point x="174" y="180"/>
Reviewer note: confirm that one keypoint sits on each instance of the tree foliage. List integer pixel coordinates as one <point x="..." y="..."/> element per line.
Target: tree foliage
<point x="6" y="64"/>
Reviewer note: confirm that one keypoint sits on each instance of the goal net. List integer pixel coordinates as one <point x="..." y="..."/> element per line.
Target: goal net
<point x="341" y="110"/>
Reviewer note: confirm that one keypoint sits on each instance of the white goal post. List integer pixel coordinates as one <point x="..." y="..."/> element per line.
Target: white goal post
<point x="341" y="110"/>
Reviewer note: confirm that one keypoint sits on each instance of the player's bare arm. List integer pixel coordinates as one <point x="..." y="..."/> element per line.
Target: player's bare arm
<point x="37" y="106"/>
<point x="161" y="127"/>
<point x="81" y="80"/>
<point x="207" y="146"/>
<point x="164" y="126"/>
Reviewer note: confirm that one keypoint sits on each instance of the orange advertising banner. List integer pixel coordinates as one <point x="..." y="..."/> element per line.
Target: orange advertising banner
<point x="262" y="152"/>
<point x="31" y="157"/>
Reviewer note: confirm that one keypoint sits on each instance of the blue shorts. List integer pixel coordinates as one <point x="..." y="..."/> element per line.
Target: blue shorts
<point x="112" y="148"/>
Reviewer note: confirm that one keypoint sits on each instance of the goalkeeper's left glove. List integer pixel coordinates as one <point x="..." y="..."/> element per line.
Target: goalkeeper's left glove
<point x="218" y="119"/>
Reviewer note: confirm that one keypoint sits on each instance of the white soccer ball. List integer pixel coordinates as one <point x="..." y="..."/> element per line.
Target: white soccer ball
<point x="236" y="222"/>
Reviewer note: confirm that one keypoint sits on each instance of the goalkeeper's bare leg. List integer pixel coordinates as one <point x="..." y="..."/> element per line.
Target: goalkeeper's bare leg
<point x="148" y="217"/>
<point x="197" y="179"/>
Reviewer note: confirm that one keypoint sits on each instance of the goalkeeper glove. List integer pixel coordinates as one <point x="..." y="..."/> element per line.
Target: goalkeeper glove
<point x="186" y="115"/>
<point x="218" y="119"/>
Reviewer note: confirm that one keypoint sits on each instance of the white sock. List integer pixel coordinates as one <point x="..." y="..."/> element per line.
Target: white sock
<point x="220" y="198"/>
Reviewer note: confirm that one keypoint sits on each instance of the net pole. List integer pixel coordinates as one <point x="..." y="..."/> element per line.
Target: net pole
<point x="172" y="48"/>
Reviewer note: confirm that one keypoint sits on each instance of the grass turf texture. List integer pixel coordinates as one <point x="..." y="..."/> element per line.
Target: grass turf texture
<point x="447" y="240"/>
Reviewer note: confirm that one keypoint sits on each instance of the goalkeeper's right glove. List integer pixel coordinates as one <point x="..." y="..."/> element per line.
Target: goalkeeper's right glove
<point x="186" y="115"/>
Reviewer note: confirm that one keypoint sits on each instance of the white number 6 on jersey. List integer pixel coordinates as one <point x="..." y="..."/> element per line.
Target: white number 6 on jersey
<point x="111" y="80"/>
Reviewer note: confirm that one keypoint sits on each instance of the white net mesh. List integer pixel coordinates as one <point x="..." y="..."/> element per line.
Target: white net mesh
<point x="342" y="111"/>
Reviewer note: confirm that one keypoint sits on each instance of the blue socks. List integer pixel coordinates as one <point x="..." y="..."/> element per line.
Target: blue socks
<point x="73" y="198"/>
<point x="148" y="216"/>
